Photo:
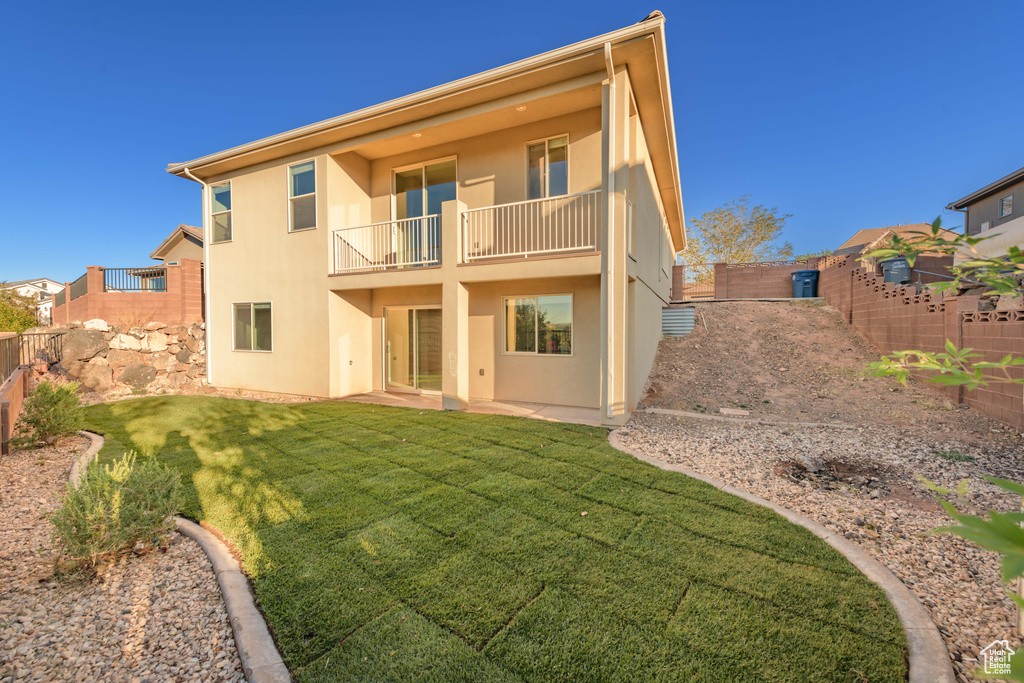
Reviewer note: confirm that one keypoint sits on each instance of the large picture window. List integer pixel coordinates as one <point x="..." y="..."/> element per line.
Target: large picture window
<point x="302" y="196"/>
<point x="539" y="325"/>
<point x="547" y="168"/>
<point x="220" y="212"/>
<point x="253" y="327"/>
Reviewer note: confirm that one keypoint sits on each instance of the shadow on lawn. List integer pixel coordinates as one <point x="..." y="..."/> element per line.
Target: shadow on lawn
<point x="221" y="446"/>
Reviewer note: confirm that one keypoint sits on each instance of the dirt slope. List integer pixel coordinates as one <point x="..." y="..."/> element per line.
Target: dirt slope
<point x="795" y="361"/>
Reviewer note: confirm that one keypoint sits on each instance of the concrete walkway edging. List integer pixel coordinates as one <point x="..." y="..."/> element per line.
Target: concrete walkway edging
<point x="261" y="661"/>
<point x="927" y="653"/>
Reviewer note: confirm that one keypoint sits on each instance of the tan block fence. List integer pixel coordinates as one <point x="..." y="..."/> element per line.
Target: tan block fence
<point x="894" y="317"/>
<point x="90" y="297"/>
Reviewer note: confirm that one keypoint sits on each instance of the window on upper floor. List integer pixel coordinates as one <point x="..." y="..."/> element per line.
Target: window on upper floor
<point x="539" y="324"/>
<point x="547" y="167"/>
<point x="302" y="196"/>
<point x="1006" y="206"/>
<point x="220" y="212"/>
<point x="253" y="327"/>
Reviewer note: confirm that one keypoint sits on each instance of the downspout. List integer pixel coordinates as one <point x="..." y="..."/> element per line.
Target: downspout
<point x="206" y="273"/>
<point x="608" y="247"/>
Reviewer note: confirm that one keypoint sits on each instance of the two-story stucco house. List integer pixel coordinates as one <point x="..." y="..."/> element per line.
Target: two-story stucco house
<point x="508" y="236"/>
<point x="991" y="213"/>
<point x="40" y="290"/>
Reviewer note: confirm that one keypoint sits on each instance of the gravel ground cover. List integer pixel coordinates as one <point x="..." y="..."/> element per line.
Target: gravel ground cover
<point x="158" y="617"/>
<point x="860" y="482"/>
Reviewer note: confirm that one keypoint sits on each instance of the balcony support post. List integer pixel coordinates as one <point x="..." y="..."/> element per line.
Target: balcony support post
<point x="454" y="312"/>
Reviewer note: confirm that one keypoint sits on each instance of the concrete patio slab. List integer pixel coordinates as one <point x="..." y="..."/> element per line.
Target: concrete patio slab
<point x="538" y="411"/>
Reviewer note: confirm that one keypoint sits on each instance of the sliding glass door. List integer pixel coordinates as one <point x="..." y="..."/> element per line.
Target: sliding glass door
<point x="419" y="193"/>
<point x="413" y="347"/>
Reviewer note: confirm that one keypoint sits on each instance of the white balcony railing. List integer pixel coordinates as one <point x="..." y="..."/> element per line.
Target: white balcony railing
<point x="406" y="243"/>
<point x="552" y="225"/>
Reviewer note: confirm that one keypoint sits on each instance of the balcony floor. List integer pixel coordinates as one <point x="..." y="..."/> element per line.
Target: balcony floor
<point x="538" y="411"/>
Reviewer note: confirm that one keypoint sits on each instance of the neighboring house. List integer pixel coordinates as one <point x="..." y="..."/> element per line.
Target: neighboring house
<point x="869" y="239"/>
<point x="40" y="290"/>
<point x="990" y="212"/>
<point x="508" y="236"/>
<point x="185" y="241"/>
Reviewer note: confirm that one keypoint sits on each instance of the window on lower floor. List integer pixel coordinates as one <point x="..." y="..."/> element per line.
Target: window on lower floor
<point x="539" y="325"/>
<point x="253" y="327"/>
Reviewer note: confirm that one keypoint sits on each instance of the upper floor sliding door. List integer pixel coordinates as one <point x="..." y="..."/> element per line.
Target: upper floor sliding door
<point x="419" y="193"/>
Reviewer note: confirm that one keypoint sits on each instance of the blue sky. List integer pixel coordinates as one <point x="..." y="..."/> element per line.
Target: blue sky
<point x="846" y="115"/>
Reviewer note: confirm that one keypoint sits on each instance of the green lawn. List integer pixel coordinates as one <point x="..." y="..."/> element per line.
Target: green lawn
<point x="391" y="544"/>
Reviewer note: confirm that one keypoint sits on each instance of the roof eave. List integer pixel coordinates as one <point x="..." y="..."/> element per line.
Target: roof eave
<point x="990" y="189"/>
<point x="545" y="59"/>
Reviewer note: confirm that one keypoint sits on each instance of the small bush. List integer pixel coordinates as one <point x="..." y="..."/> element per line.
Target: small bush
<point x="955" y="456"/>
<point x="51" y="411"/>
<point x="115" y="509"/>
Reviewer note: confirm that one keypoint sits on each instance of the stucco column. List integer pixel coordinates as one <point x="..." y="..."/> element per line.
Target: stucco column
<point x="454" y="312"/>
<point x="614" y="278"/>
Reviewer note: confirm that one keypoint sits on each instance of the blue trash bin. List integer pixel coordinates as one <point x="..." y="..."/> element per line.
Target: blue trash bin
<point x="805" y="284"/>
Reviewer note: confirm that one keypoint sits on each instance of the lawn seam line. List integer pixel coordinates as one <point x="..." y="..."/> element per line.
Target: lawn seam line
<point x="675" y="612"/>
<point x="535" y="598"/>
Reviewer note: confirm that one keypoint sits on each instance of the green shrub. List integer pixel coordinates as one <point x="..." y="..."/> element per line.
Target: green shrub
<point x="51" y="411"/>
<point x="115" y="509"/>
<point x="17" y="311"/>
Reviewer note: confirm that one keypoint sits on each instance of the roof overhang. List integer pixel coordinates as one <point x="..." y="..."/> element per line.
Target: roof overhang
<point x="990" y="189"/>
<point x="176" y="236"/>
<point x="641" y="48"/>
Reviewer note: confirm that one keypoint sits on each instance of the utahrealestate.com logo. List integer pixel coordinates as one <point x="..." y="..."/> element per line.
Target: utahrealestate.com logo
<point x="997" y="656"/>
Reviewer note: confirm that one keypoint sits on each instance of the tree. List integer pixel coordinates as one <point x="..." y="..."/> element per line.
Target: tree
<point x="17" y="311"/>
<point x="999" y="532"/>
<point x="737" y="233"/>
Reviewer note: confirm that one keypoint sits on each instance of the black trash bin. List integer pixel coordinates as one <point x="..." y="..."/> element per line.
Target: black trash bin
<point x="805" y="284"/>
<point x="896" y="270"/>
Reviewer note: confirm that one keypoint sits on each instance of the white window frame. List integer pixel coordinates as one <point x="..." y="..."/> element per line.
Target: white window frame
<point x="1003" y="213"/>
<point x="547" y="176"/>
<point x="423" y="166"/>
<point x="536" y="330"/>
<point x="273" y="333"/>
<point x="226" y="183"/>
<point x="291" y="199"/>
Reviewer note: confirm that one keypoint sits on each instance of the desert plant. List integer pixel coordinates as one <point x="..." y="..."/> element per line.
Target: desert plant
<point x="116" y="508"/>
<point x="53" y="410"/>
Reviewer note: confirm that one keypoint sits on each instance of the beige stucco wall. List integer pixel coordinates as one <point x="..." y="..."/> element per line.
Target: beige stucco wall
<point x="649" y="265"/>
<point x="264" y="262"/>
<point x="184" y="247"/>
<point x="491" y="168"/>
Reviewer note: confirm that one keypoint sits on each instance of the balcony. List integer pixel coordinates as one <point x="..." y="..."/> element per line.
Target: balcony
<point x="564" y="225"/>
<point x="406" y="243"/>
<point x="538" y="227"/>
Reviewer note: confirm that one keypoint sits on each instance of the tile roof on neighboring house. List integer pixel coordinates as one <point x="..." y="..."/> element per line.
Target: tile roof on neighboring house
<point x="182" y="229"/>
<point x="871" y="238"/>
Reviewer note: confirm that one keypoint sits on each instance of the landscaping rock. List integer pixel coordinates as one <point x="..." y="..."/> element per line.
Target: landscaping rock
<point x="84" y="344"/>
<point x="155" y="326"/>
<point x="96" y="324"/>
<point x="156" y="617"/>
<point x="128" y="342"/>
<point x="137" y="375"/>
<point x="155" y="341"/>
